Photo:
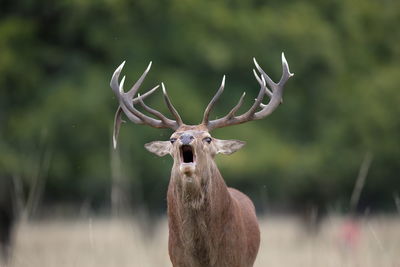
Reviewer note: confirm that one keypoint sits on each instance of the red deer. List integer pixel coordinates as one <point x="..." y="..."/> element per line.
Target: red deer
<point x="210" y="224"/>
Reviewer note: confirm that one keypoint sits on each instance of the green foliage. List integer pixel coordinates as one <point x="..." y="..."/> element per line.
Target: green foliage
<point x="56" y="60"/>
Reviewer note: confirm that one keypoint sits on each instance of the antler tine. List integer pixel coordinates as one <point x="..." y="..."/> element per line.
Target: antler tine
<point x="233" y="111"/>
<point x="285" y="71"/>
<point x="213" y="101"/>
<point x="257" y="101"/>
<point x="269" y="81"/>
<point x="275" y="99"/>
<point x="132" y="92"/>
<point x="260" y="81"/>
<point x="117" y="125"/>
<point x="114" y="79"/>
<point x="146" y="119"/>
<point x="153" y="111"/>
<point x="171" y="107"/>
<point x="145" y="95"/>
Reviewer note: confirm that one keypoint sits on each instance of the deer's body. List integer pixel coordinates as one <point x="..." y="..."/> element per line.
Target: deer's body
<point x="210" y="225"/>
<point x="220" y="229"/>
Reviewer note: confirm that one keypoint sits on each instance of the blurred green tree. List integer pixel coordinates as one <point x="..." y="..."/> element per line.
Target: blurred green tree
<point x="56" y="59"/>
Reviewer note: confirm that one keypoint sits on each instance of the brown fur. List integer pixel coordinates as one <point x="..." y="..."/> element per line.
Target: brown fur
<point x="209" y="223"/>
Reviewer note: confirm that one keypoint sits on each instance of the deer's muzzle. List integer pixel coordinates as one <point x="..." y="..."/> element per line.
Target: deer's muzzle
<point x="188" y="159"/>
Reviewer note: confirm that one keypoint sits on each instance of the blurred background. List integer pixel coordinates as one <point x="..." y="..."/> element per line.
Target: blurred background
<point x="329" y="152"/>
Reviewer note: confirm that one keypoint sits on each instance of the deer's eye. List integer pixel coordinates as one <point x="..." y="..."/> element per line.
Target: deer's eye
<point x="172" y="140"/>
<point x="207" y="139"/>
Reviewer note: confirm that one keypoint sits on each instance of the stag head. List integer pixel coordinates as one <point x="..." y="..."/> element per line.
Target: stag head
<point x="191" y="146"/>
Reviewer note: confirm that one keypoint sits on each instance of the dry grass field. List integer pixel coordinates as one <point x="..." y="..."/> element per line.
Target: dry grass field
<point x="123" y="242"/>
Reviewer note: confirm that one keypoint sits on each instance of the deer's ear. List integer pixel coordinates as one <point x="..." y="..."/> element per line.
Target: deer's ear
<point x="160" y="148"/>
<point x="228" y="147"/>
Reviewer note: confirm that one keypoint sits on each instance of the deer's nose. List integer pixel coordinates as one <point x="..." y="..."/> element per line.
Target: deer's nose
<point x="186" y="139"/>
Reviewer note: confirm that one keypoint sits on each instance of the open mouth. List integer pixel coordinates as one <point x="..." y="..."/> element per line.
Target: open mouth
<point x="187" y="155"/>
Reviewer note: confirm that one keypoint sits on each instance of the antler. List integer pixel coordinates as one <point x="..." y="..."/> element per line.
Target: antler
<point x="275" y="96"/>
<point x="127" y="105"/>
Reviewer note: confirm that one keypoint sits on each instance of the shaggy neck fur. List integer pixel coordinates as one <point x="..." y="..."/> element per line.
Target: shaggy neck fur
<point x="195" y="225"/>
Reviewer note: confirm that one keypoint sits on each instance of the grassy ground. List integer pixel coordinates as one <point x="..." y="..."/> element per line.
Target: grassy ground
<point x="123" y="242"/>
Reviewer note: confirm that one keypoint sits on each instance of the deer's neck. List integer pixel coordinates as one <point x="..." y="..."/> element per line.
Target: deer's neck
<point x="197" y="218"/>
<point x="199" y="195"/>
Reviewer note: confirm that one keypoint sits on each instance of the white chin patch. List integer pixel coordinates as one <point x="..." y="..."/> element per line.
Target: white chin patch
<point x="187" y="168"/>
